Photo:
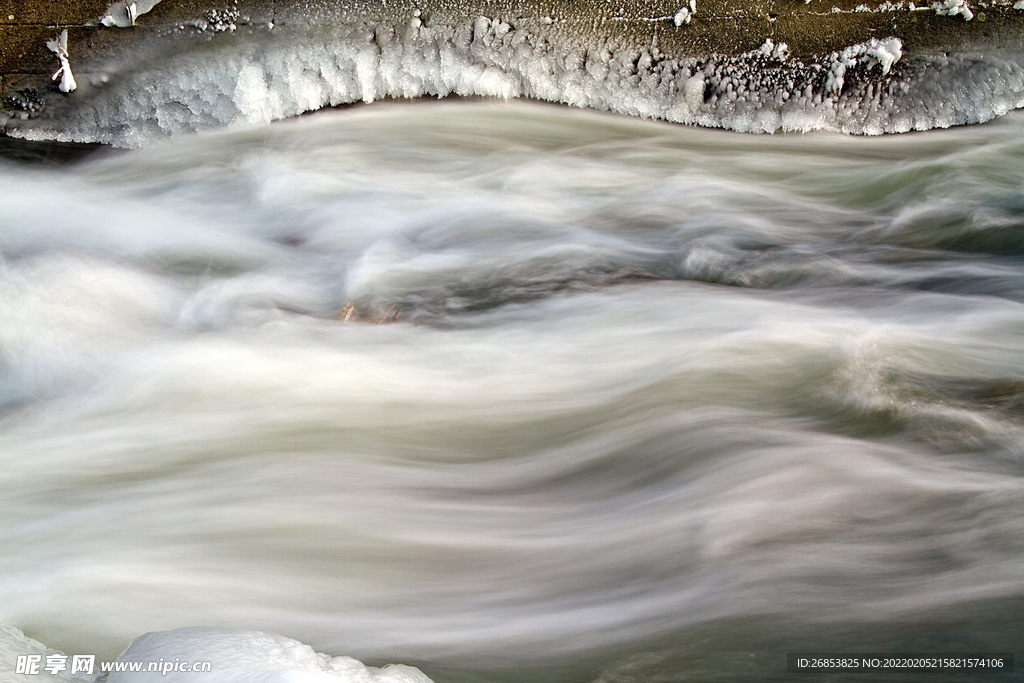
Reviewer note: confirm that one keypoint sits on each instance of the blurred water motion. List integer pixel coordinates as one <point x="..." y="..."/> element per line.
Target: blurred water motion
<point x="514" y="392"/>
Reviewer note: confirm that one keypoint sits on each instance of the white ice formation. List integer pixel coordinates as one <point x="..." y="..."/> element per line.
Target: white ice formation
<point x="219" y="21"/>
<point x="685" y="14"/>
<point x="253" y="77"/>
<point x="59" y="47"/>
<point x="238" y="656"/>
<point x="885" y="53"/>
<point x="234" y="656"/>
<point x="14" y="643"/>
<point x="952" y="8"/>
<point x="123" y="13"/>
<point x="772" y="50"/>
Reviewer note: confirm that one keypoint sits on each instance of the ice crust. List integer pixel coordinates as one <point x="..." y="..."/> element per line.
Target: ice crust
<point x="685" y="14"/>
<point x="122" y="13"/>
<point x="953" y="8"/>
<point x="14" y="643"/>
<point x="772" y="50"/>
<point x="884" y="53"/>
<point x="239" y="656"/>
<point x="236" y="656"/>
<point x="250" y="77"/>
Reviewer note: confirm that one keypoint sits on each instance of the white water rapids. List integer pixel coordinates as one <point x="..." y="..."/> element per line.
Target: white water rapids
<point x="518" y="392"/>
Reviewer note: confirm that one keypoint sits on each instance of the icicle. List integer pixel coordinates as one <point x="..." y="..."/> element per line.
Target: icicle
<point x="59" y="46"/>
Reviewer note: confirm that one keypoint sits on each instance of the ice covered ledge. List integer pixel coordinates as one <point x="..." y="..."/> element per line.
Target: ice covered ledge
<point x="755" y="65"/>
<point x="223" y="655"/>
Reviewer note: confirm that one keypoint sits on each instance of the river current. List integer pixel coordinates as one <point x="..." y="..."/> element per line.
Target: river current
<point x="517" y="392"/>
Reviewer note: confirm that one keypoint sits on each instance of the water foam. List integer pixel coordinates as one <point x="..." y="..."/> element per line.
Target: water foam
<point x="811" y="420"/>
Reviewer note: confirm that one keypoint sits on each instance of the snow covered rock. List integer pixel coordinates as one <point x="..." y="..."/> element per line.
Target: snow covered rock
<point x="238" y="656"/>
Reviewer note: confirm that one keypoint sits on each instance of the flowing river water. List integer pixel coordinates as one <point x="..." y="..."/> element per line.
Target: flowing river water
<point x="516" y="392"/>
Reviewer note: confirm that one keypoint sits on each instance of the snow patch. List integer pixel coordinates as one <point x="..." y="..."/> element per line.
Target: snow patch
<point x="951" y="8"/>
<point x="884" y="52"/>
<point x="771" y="50"/>
<point x="123" y="13"/>
<point x="239" y="656"/>
<point x="236" y="656"/>
<point x="1019" y="5"/>
<point x="685" y="14"/>
<point x="14" y="643"/>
